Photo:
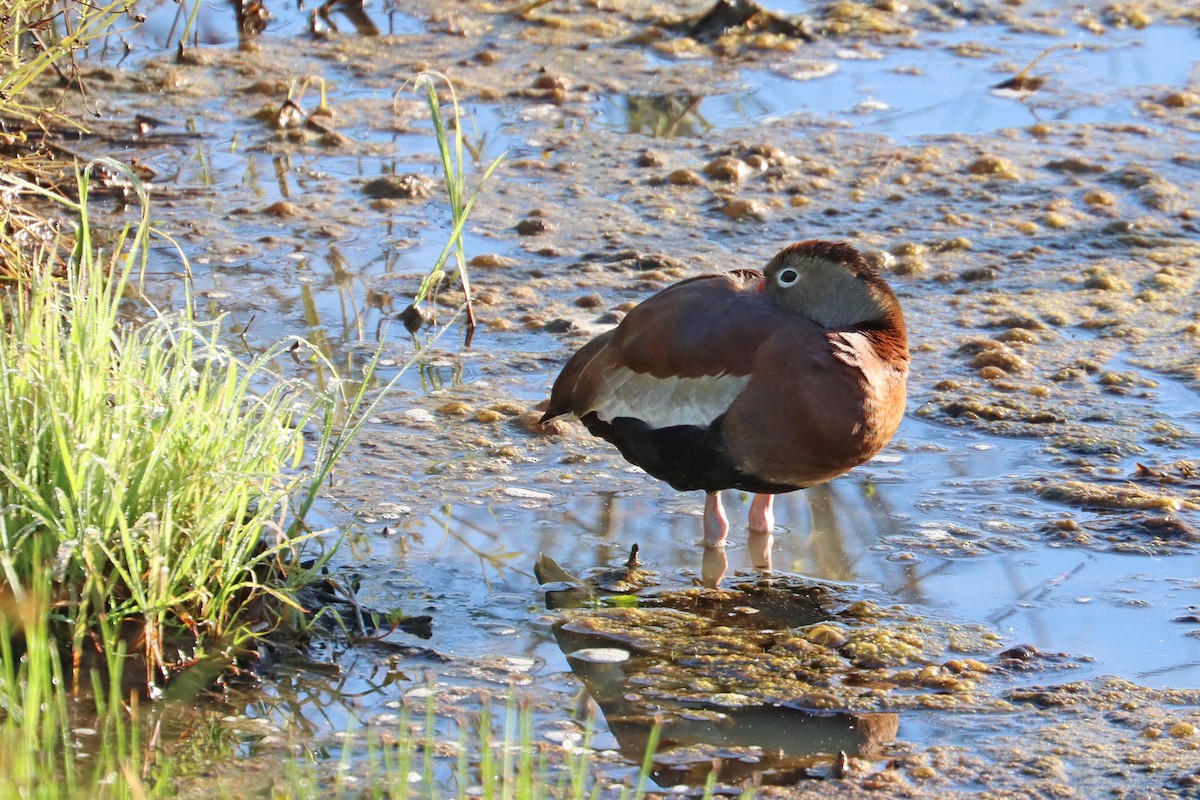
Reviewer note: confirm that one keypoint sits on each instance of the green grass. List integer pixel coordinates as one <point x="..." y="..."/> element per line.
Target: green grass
<point x="450" y="151"/>
<point x="153" y="487"/>
<point x="149" y="468"/>
<point x="38" y="36"/>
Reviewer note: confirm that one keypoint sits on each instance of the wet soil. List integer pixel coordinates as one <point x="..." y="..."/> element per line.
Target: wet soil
<point x="1040" y="228"/>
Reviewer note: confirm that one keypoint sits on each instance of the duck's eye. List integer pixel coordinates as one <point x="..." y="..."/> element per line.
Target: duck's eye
<point x="787" y="277"/>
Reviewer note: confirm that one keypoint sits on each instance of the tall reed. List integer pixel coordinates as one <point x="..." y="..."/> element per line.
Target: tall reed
<point x="449" y="140"/>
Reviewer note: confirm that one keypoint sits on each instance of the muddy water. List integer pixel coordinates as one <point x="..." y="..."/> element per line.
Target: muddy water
<point x="1026" y="549"/>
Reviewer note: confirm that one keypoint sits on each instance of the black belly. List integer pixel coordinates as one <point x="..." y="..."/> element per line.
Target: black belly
<point x="688" y="457"/>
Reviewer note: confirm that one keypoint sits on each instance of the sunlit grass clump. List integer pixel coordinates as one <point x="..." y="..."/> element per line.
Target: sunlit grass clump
<point x="148" y="471"/>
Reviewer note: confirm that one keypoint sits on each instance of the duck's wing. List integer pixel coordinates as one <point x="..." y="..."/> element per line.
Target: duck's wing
<point x="679" y="358"/>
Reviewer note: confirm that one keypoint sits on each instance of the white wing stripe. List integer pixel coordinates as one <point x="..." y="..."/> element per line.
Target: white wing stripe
<point x="663" y="402"/>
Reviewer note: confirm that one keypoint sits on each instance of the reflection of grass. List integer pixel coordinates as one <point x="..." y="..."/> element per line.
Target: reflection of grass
<point x="665" y="115"/>
<point x="485" y="754"/>
<point x="450" y="150"/>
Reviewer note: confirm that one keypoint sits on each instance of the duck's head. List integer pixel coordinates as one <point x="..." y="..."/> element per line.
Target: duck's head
<point x="831" y="284"/>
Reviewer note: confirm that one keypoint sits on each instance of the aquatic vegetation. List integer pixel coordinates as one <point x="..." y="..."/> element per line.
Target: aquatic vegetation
<point x="461" y="202"/>
<point x="154" y="486"/>
<point x="723" y="672"/>
<point x="153" y="492"/>
<point x="147" y="470"/>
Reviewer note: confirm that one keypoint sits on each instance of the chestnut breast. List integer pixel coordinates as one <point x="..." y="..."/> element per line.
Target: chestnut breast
<point x="817" y="404"/>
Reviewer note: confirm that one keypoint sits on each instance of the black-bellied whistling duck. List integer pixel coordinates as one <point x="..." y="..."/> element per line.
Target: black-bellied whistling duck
<point x="765" y="382"/>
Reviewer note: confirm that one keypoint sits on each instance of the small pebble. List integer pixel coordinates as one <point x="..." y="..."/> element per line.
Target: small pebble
<point x="280" y="208"/>
<point x="650" y="158"/>
<point x="399" y="187"/>
<point x="685" y="177"/>
<point x="1182" y="99"/>
<point x="728" y="169"/>
<point x="548" y="80"/>
<point x="1182" y="730"/>
<point x="589" y="301"/>
<point x="741" y="209"/>
<point x="454" y="408"/>
<point x="491" y="261"/>
<point x="992" y="166"/>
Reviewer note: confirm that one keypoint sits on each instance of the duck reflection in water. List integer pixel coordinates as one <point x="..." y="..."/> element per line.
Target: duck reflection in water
<point x="715" y="563"/>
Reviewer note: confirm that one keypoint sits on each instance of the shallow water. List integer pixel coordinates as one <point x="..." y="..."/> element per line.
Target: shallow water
<point x="934" y="89"/>
<point x="961" y="520"/>
<point x="878" y="527"/>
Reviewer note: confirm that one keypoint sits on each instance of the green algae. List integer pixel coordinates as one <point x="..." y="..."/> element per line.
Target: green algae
<point x="690" y="646"/>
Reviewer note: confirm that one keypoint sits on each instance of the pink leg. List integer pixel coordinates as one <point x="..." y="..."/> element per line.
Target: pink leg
<point x="762" y="517"/>
<point x="716" y="525"/>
